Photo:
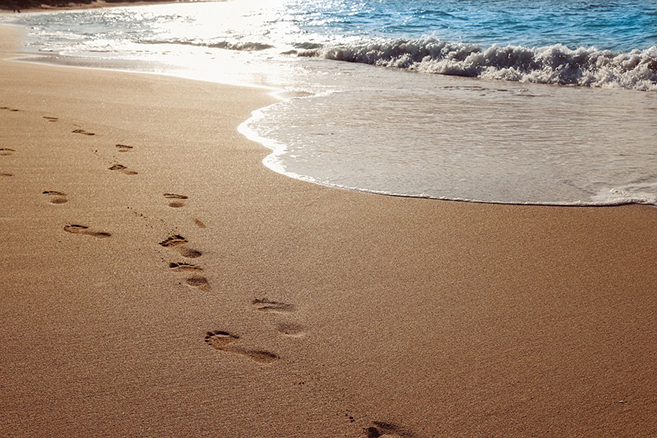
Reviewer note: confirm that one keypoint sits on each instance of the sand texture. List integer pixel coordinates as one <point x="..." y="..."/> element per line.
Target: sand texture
<point x="158" y="280"/>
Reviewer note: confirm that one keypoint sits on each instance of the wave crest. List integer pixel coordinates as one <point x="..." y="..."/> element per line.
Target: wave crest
<point x="245" y="46"/>
<point x="555" y="64"/>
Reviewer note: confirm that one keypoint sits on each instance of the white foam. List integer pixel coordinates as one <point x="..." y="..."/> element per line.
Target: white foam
<point x="555" y="64"/>
<point x="246" y="46"/>
<point x="628" y="194"/>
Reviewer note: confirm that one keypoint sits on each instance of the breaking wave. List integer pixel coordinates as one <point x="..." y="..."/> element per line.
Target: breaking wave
<point x="555" y="64"/>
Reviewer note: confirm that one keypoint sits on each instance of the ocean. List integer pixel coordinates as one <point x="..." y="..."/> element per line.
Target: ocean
<point x="525" y="102"/>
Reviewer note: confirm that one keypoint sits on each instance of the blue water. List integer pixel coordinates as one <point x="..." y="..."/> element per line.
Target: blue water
<point x="534" y="101"/>
<point x="607" y="25"/>
<point x="594" y="43"/>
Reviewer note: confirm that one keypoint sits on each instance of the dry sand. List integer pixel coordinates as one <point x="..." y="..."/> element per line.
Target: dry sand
<point x="254" y="305"/>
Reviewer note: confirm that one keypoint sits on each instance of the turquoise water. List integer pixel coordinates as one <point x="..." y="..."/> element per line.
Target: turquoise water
<point x="599" y="43"/>
<point x="540" y="102"/>
<point x="608" y="25"/>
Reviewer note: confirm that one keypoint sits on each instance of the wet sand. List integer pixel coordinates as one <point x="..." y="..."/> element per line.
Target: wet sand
<point x="158" y="280"/>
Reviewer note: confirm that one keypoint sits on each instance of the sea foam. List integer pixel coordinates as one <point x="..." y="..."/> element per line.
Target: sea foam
<point x="554" y="64"/>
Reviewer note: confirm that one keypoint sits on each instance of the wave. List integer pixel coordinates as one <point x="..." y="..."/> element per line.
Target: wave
<point x="555" y="64"/>
<point x="245" y="46"/>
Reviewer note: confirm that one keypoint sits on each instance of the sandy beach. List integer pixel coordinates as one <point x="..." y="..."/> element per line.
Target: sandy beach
<point x="158" y="280"/>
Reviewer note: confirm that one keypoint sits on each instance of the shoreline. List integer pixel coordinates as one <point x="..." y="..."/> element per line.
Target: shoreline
<point x="210" y="296"/>
<point x="551" y="187"/>
<point x="98" y="4"/>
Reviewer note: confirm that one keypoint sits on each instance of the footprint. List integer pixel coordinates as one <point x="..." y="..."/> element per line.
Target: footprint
<point x="383" y="429"/>
<point x="82" y="131"/>
<point x="121" y="168"/>
<point x="184" y="267"/>
<point x="6" y="151"/>
<point x="190" y="253"/>
<point x="291" y="329"/>
<point x="6" y="174"/>
<point x="266" y="305"/>
<point x="260" y="356"/>
<point x="219" y="340"/>
<point x="174" y="196"/>
<point x="223" y="341"/>
<point x="199" y="223"/>
<point x="50" y="119"/>
<point x="56" y="197"/>
<point x="82" y="229"/>
<point x="177" y="240"/>
<point x="199" y="283"/>
<point x="175" y="204"/>
<point x="123" y="147"/>
<point x="173" y="240"/>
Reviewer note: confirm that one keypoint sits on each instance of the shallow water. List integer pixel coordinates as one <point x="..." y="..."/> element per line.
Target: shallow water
<point x="469" y="139"/>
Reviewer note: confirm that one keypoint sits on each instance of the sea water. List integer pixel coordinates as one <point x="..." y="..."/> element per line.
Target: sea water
<point x="526" y="101"/>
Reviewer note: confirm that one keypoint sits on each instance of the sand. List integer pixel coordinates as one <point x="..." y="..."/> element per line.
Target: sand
<point x="98" y="4"/>
<point x="158" y="280"/>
